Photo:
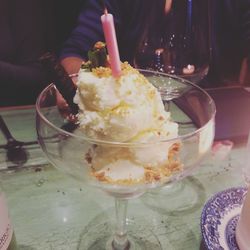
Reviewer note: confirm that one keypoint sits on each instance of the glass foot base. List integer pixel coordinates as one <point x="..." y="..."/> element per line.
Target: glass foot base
<point x="177" y="198"/>
<point x="99" y="237"/>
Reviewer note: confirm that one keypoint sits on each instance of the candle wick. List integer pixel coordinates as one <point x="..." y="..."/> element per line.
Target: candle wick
<point x="104" y="7"/>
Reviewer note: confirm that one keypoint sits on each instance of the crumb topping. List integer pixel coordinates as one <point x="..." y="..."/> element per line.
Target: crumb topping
<point x="102" y="72"/>
<point x="99" y="45"/>
<point x="126" y="68"/>
<point x="151" y="174"/>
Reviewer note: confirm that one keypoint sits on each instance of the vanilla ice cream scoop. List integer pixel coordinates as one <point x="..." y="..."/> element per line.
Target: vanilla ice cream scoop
<point x="125" y="109"/>
<point x="119" y="109"/>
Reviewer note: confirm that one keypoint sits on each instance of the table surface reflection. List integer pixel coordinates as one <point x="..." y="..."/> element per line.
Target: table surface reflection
<point x="50" y="210"/>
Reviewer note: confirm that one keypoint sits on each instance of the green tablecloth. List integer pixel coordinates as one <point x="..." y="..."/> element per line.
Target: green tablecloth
<point x="50" y="210"/>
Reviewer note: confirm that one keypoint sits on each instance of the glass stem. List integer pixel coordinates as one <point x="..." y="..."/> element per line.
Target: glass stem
<point x="120" y="241"/>
<point x="167" y="106"/>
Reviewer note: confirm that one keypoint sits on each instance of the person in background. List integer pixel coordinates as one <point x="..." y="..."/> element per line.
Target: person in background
<point x="128" y="23"/>
<point x="230" y="33"/>
<point x="64" y="19"/>
<point x="230" y="42"/>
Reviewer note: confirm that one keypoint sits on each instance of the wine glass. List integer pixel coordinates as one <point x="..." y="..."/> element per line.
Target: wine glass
<point x="246" y="167"/>
<point x="136" y="166"/>
<point x="176" y="40"/>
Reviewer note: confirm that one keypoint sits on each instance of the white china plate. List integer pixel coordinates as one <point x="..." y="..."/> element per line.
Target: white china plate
<point x="219" y="219"/>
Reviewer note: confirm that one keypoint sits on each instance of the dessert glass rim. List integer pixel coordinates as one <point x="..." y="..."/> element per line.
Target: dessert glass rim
<point x="130" y="144"/>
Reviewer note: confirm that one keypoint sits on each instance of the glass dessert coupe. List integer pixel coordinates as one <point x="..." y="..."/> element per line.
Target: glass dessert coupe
<point x="68" y="149"/>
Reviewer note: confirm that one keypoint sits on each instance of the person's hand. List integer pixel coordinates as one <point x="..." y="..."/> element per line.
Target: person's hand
<point x="63" y="107"/>
<point x="74" y="77"/>
<point x="72" y="64"/>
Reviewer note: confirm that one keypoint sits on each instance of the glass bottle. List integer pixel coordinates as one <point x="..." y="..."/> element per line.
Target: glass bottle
<point x="7" y="236"/>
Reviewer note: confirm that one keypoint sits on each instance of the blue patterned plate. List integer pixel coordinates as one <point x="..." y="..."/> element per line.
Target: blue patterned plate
<point x="219" y="218"/>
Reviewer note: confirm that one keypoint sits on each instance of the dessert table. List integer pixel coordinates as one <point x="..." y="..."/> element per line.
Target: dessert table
<point x="50" y="210"/>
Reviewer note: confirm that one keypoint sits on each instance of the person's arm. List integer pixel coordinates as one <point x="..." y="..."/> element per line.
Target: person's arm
<point x="244" y="18"/>
<point x="26" y="75"/>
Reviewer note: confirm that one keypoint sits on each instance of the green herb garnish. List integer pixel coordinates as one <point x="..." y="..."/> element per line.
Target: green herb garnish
<point x="97" y="57"/>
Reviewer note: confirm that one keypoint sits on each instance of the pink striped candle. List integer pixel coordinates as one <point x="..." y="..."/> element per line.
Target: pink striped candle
<point x="110" y="37"/>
